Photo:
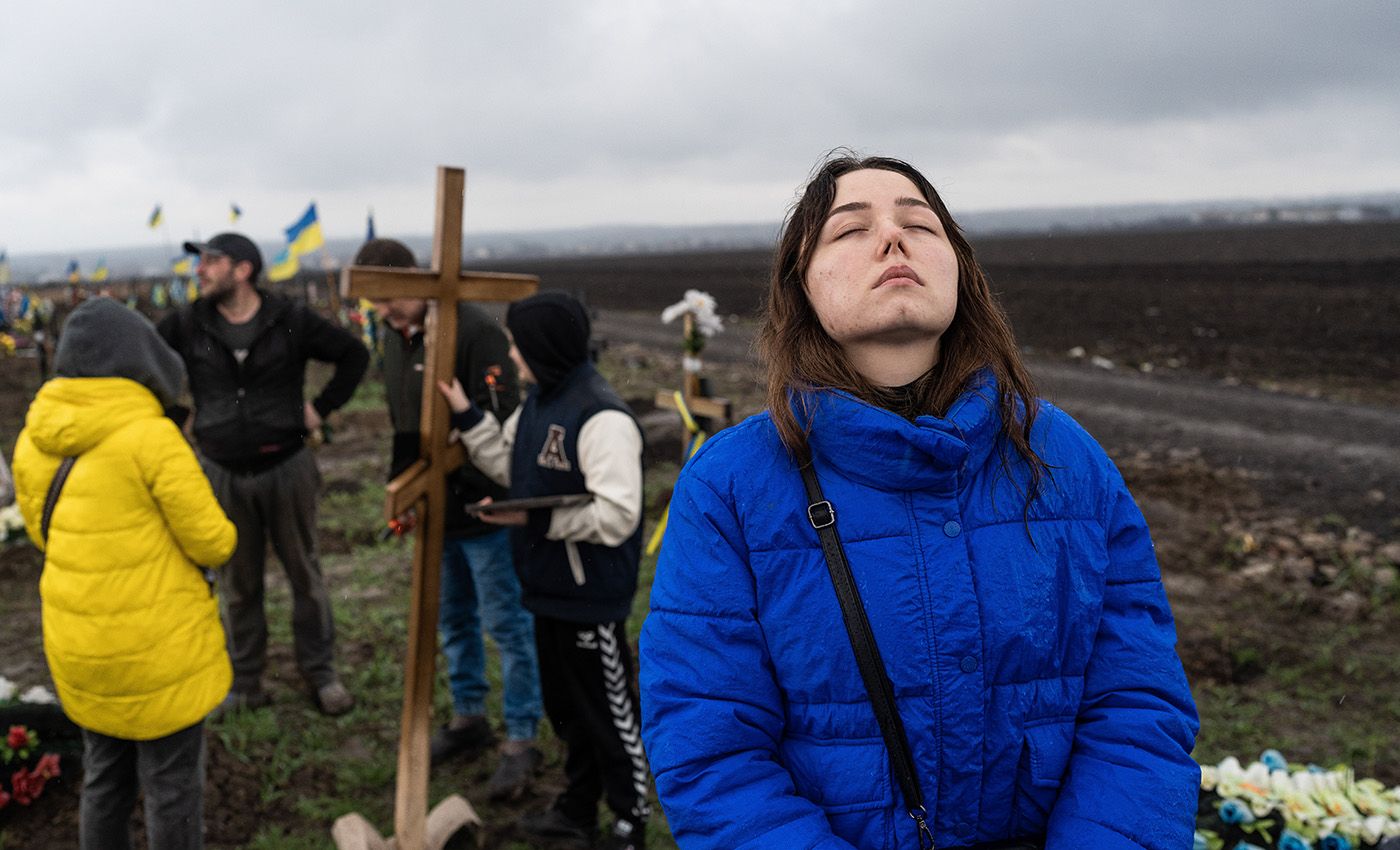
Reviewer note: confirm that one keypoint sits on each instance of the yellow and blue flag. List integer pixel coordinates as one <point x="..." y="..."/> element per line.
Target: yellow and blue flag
<point x="182" y="265"/>
<point x="156" y="217"/>
<point x="100" y="273"/>
<point x="191" y="291"/>
<point x="305" y="236"/>
<point x="235" y="212"/>
<point x="73" y="274"/>
<point x="284" y="266"/>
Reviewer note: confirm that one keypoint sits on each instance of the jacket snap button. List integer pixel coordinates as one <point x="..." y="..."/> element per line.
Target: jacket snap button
<point x="951" y="528"/>
<point x="968" y="664"/>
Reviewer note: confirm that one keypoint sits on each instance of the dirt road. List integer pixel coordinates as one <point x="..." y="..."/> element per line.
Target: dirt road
<point x="1310" y="456"/>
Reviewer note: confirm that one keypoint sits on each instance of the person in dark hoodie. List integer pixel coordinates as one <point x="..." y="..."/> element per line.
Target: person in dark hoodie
<point x="113" y="494"/>
<point x="479" y="584"/>
<point x="577" y="563"/>
<point x="246" y="350"/>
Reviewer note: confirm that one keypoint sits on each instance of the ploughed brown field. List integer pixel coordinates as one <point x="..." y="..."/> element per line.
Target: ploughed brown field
<point x="1318" y="305"/>
<point x="1287" y="612"/>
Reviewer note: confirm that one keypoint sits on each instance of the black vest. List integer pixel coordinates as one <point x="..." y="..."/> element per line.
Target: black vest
<point x="545" y="462"/>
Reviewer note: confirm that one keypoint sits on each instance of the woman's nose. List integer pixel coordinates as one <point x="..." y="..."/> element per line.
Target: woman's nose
<point x="891" y="239"/>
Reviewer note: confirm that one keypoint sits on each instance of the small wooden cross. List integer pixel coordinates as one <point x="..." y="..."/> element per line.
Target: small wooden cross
<point x="423" y="485"/>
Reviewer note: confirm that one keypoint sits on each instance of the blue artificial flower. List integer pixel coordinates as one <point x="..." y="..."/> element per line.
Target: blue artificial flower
<point x="1291" y="840"/>
<point x="1273" y="760"/>
<point x="1335" y="841"/>
<point x="1235" y="812"/>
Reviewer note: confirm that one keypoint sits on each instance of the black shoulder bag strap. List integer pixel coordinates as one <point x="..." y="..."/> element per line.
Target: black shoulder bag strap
<point x="872" y="669"/>
<point x="55" y="486"/>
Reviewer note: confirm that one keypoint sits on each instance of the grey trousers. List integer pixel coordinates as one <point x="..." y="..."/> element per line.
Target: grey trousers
<point x="169" y="770"/>
<point x="276" y="506"/>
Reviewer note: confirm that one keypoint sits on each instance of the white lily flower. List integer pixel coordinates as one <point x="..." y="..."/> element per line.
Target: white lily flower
<point x="699" y="304"/>
<point x="1373" y="829"/>
<point x="38" y="695"/>
<point x="1231" y="777"/>
<point x="675" y="311"/>
<point x="1257" y="775"/>
<point x="1209" y="776"/>
<point x="7" y="689"/>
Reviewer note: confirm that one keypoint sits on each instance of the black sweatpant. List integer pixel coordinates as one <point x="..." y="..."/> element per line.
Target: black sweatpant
<point x="586" y="679"/>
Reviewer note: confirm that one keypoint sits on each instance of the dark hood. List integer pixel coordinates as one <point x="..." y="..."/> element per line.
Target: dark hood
<point x="551" y="331"/>
<point x="103" y="339"/>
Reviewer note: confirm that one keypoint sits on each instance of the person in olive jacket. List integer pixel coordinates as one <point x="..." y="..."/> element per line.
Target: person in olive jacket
<point x="246" y="351"/>
<point x="131" y="623"/>
<point x="479" y="584"/>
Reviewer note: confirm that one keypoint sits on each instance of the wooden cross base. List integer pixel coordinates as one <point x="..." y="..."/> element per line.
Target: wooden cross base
<point x="452" y="825"/>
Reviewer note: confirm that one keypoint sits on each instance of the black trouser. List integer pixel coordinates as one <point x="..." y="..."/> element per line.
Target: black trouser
<point x="276" y="505"/>
<point x="169" y="770"/>
<point x="586" y="679"/>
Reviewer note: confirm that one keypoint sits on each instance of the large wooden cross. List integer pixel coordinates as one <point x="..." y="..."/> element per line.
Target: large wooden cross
<point x="422" y="487"/>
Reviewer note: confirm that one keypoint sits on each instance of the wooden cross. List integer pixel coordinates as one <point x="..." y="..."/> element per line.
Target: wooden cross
<point x="422" y="487"/>
<point x="715" y="410"/>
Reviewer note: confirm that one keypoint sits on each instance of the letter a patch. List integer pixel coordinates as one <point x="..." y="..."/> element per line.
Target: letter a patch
<point x="552" y="455"/>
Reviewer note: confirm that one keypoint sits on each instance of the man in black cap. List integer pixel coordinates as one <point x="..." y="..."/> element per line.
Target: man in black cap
<point x="246" y="350"/>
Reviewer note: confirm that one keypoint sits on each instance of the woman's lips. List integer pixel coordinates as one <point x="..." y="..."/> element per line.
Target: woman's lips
<point x="899" y="273"/>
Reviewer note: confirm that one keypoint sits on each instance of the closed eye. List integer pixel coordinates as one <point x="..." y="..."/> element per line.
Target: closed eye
<point x="843" y="234"/>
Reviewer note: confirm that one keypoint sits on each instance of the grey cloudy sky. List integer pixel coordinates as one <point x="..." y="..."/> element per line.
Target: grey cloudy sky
<point x="608" y="111"/>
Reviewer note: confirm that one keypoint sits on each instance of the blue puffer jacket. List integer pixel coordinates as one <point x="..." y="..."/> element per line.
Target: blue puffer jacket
<point x="1032" y="656"/>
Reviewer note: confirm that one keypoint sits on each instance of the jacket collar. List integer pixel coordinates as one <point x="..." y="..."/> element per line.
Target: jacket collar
<point x="272" y="307"/>
<point x="879" y="448"/>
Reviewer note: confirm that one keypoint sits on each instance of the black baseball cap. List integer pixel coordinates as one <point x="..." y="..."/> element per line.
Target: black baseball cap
<point x="235" y="246"/>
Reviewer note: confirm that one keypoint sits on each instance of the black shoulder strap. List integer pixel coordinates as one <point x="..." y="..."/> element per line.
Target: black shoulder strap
<point x="872" y="668"/>
<point x="55" y="486"/>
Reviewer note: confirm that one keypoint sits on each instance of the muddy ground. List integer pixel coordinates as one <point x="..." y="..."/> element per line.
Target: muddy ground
<point x="1286" y="597"/>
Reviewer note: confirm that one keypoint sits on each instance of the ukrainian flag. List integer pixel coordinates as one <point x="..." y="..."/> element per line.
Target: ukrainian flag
<point x="285" y="265"/>
<point x="154" y="221"/>
<point x="100" y="273"/>
<point x="305" y="236"/>
<point x="234" y="213"/>
<point x="73" y="274"/>
<point x="182" y="265"/>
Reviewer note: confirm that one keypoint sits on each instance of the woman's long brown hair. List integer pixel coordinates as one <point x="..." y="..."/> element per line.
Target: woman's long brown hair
<point x="800" y="356"/>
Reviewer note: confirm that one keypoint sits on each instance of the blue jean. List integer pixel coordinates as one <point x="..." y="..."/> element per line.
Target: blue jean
<point x="479" y="587"/>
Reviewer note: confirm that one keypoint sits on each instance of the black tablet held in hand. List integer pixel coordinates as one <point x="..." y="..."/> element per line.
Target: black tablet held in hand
<point x="561" y="501"/>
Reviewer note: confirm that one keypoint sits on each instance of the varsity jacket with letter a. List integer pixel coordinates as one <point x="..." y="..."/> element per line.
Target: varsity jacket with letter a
<point x="576" y="563"/>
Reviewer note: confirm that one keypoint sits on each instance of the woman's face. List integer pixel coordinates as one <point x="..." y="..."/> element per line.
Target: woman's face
<point x="883" y="275"/>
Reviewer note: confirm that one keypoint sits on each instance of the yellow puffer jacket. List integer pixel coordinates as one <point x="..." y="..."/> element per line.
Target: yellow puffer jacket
<point x="131" y="627"/>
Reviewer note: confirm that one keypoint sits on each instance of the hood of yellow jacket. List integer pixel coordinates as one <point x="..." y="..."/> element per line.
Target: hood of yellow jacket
<point x="71" y="415"/>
